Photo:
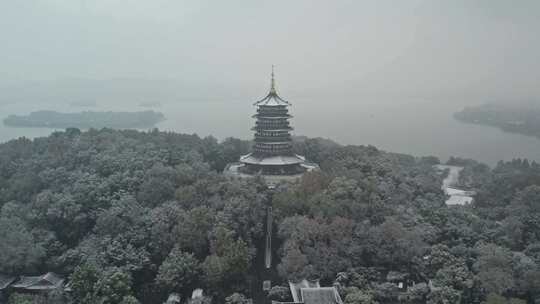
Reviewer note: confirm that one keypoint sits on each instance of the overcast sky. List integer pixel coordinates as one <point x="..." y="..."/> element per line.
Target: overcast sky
<point x="401" y="47"/>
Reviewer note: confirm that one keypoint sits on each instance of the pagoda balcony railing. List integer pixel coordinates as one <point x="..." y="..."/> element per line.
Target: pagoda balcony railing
<point x="272" y="116"/>
<point x="272" y="138"/>
<point x="271" y="128"/>
<point x="272" y="112"/>
<point x="272" y="123"/>
<point x="285" y="151"/>
<point x="272" y="107"/>
<point x="274" y="145"/>
<point x="272" y="133"/>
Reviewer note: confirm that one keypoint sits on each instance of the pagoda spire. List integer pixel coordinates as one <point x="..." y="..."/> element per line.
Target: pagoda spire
<point x="273" y="85"/>
<point x="272" y="98"/>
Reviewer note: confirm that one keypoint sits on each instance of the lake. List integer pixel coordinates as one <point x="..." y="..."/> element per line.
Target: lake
<point x="415" y="127"/>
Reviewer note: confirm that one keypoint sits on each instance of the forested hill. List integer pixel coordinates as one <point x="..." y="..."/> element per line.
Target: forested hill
<point x="132" y="216"/>
<point x="86" y="120"/>
<point x="519" y="118"/>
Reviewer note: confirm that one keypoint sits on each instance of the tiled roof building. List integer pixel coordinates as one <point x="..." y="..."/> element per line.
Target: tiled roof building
<point x="5" y="281"/>
<point x="310" y="292"/>
<point x="320" y="295"/>
<point x="48" y="281"/>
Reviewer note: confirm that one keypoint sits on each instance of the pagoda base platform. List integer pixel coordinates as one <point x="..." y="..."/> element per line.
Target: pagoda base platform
<point x="272" y="177"/>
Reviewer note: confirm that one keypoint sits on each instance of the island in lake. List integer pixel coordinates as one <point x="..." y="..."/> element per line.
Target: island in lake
<point x="522" y="119"/>
<point x="85" y="120"/>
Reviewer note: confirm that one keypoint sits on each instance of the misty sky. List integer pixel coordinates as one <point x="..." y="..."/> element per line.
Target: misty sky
<point x="485" y="48"/>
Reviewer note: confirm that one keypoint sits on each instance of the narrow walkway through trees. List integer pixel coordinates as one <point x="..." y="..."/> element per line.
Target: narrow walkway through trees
<point x="268" y="249"/>
<point x="264" y="261"/>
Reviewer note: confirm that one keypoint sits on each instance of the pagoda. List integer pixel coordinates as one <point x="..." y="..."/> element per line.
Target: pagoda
<point x="272" y="154"/>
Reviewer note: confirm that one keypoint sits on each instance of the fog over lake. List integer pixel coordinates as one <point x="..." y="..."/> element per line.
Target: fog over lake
<point x="241" y="208"/>
<point x="417" y="127"/>
<point x="385" y="73"/>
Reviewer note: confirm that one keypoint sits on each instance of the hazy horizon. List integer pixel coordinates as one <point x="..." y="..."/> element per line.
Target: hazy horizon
<point x="209" y="50"/>
<point x="124" y="208"/>
<point x="386" y="73"/>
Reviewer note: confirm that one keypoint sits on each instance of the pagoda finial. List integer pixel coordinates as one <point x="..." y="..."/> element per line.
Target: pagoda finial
<point x="273" y="86"/>
<point x="272" y="95"/>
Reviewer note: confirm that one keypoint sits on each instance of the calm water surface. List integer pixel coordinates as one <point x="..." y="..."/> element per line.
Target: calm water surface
<point x="416" y="127"/>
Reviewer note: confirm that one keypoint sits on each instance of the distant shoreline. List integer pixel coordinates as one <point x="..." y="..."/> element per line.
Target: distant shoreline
<point x="85" y="120"/>
<point x="524" y="120"/>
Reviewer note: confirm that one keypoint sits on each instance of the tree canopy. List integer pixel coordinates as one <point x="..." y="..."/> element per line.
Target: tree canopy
<point x="131" y="216"/>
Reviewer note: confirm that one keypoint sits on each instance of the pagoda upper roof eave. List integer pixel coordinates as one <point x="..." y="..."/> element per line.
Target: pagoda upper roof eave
<point x="272" y="117"/>
<point x="274" y="142"/>
<point x="272" y="96"/>
<point x="276" y="160"/>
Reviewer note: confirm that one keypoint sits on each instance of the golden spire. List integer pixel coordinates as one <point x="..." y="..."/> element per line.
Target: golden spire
<point x="273" y="86"/>
<point x="272" y="95"/>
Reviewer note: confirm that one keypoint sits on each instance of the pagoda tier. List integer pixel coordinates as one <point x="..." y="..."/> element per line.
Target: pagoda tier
<point x="285" y="137"/>
<point x="272" y="129"/>
<point x="272" y="112"/>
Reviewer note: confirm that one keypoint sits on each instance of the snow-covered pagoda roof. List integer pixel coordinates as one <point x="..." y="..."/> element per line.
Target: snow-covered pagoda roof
<point x="272" y="98"/>
<point x="277" y="160"/>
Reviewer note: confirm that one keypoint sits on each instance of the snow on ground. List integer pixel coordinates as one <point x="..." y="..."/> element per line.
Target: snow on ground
<point x="459" y="200"/>
<point x="457" y="196"/>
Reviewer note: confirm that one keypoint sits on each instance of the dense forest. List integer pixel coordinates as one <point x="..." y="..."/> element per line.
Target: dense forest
<point x="129" y="217"/>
